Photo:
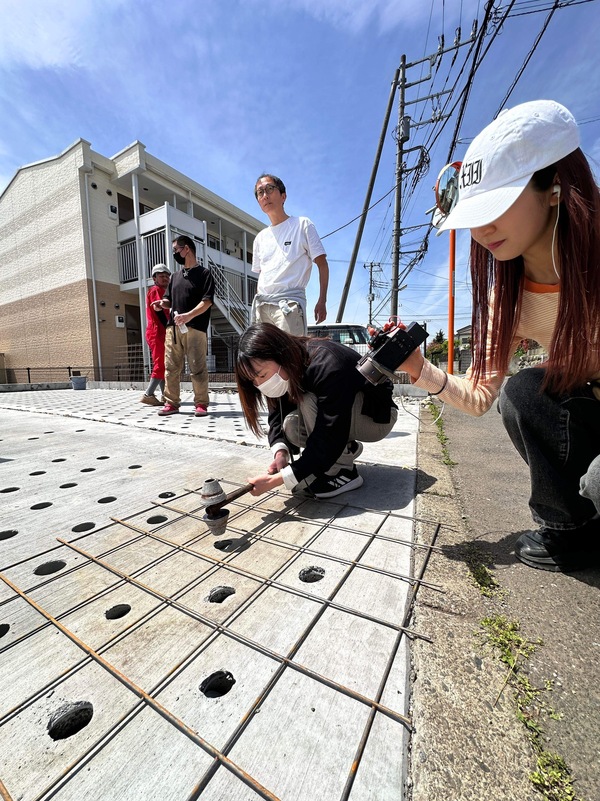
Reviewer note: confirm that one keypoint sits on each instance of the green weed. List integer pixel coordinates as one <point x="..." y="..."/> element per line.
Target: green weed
<point x="552" y="777"/>
<point x="434" y="409"/>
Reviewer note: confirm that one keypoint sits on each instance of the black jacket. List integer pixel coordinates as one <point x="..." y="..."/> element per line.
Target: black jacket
<point x="332" y="377"/>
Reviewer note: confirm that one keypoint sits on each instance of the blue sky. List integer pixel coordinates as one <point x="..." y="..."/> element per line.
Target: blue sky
<point x="225" y="90"/>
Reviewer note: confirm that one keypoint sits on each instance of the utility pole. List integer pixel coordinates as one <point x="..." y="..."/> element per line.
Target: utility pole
<point x="425" y="342"/>
<point x="372" y="286"/>
<point x="401" y="135"/>
<point x="363" y="216"/>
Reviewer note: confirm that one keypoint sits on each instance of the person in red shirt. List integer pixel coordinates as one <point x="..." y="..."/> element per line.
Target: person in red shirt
<point x="156" y="327"/>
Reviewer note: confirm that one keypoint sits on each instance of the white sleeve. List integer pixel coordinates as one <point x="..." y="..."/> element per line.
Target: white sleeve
<point x="315" y="246"/>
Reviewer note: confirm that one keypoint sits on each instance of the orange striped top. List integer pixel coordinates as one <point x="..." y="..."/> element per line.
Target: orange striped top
<point x="539" y="308"/>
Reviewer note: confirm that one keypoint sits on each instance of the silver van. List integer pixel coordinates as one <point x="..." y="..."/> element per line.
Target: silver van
<point x="354" y="335"/>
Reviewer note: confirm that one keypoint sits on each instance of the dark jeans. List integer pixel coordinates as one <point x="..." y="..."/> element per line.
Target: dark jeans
<point x="559" y="438"/>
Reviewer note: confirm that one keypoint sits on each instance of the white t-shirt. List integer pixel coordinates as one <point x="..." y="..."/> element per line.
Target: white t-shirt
<point x="283" y="255"/>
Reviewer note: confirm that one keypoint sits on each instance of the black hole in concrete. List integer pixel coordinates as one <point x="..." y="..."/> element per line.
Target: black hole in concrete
<point x="99" y="458"/>
<point x="157" y="519"/>
<point x="42" y="505"/>
<point x="218" y="594"/>
<point x="48" y="432"/>
<point x="134" y="466"/>
<point x="117" y="611"/>
<point x="37" y="473"/>
<point x="83" y="527"/>
<point x="8" y="533"/>
<point x="32" y="438"/>
<point x="4" y="629"/>
<point x="223" y="545"/>
<point x="79" y="430"/>
<point x="107" y="499"/>
<point x="70" y="719"/>
<point x="217" y="684"/>
<point x="87" y="470"/>
<point x="49" y="567"/>
<point x="230" y="545"/>
<point x="66" y="486"/>
<point x="167" y="495"/>
<point x="311" y="574"/>
<point x="62" y="459"/>
<point x="10" y="489"/>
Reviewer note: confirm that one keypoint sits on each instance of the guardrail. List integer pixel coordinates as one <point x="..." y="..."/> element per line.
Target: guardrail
<point x="236" y="310"/>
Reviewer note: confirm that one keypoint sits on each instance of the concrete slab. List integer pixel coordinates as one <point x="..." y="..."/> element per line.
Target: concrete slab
<point x="296" y="609"/>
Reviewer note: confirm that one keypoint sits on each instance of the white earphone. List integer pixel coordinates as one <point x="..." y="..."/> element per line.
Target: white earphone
<point x="555" y="191"/>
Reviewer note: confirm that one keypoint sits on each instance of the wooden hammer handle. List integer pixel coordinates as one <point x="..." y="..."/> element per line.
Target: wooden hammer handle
<point x="232" y="496"/>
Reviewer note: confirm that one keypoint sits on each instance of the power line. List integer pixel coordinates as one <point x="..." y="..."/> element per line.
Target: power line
<point x="528" y="57"/>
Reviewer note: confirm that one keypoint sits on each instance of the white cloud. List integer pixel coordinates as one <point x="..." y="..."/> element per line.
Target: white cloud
<point x="354" y="16"/>
<point x="48" y="33"/>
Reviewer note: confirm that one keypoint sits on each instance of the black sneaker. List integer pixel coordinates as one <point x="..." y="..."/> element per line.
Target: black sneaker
<point x="344" y="481"/>
<point x="561" y="550"/>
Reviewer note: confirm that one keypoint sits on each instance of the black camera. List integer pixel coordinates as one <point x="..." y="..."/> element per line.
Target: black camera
<point x="389" y="350"/>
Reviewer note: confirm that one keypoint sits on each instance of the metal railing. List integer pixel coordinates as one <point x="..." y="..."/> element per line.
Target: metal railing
<point x="121" y="373"/>
<point x="229" y="285"/>
<point x="45" y="375"/>
<point x="236" y="310"/>
<point x="127" y="262"/>
<point x="154" y="246"/>
<point x="251" y="287"/>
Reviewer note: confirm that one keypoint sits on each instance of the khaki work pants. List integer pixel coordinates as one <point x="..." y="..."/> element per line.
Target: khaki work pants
<point x="298" y="426"/>
<point x="293" y="322"/>
<point x="177" y="347"/>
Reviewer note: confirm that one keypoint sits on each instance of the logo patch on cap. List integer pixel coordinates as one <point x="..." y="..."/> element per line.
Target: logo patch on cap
<point x="470" y="174"/>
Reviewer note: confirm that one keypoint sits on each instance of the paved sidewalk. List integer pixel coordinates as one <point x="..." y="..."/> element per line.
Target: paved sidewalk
<point x="468" y="741"/>
<point x="150" y="659"/>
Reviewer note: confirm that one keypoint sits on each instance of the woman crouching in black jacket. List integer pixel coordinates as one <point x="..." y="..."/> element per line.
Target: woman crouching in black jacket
<point x="317" y="401"/>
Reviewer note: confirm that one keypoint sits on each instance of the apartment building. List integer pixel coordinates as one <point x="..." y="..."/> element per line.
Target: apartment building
<point x="79" y="235"/>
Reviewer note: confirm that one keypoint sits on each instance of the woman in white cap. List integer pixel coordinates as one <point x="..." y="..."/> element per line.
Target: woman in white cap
<point x="528" y="196"/>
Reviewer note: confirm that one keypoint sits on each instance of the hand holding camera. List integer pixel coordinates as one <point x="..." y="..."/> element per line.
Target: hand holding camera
<point x="390" y="348"/>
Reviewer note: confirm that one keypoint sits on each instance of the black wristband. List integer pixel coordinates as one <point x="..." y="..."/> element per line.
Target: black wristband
<point x="443" y="387"/>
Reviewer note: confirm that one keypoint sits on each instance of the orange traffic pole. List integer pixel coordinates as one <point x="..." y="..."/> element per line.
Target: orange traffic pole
<point x="451" y="262"/>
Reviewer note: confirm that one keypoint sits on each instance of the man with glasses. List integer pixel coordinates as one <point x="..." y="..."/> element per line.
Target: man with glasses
<point x="189" y="297"/>
<point x="283" y="255"/>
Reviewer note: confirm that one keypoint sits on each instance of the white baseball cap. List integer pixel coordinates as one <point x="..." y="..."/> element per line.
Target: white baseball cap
<point x="160" y="268"/>
<point x="501" y="160"/>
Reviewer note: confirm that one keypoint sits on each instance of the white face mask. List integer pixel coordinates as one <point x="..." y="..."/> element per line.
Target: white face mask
<point x="274" y="387"/>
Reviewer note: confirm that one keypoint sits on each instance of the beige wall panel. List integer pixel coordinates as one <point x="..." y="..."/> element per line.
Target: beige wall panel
<point x="111" y="337"/>
<point x="104" y="227"/>
<point x="41" y="228"/>
<point x="56" y="328"/>
<point x="129" y="159"/>
<point x="47" y="330"/>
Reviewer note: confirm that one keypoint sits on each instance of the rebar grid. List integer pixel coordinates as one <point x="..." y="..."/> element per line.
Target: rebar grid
<point x="321" y="554"/>
<point x="148" y="699"/>
<point x="220" y="757"/>
<point x="266" y="581"/>
<point x="220" y="628"/>
<point x="4" y="794"/>
<point x="369" y="725"/>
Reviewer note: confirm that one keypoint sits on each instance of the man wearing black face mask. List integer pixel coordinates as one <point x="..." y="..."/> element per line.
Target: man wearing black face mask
<point x="189" y="297"/>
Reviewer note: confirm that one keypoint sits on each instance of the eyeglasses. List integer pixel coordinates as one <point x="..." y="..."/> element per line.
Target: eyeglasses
<point x="179" y="248"/>
<point x="265" y="189"/>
